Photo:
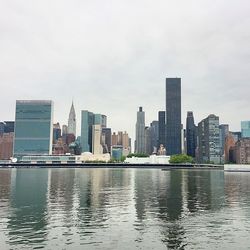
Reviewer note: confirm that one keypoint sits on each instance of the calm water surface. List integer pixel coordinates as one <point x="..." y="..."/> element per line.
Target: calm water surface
<point x="124" y="209"/>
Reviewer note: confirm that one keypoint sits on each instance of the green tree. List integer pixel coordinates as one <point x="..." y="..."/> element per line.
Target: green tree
<point x="181" y="158"/>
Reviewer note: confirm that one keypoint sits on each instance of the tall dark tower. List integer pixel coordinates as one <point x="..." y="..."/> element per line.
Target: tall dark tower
<point x="191" y="134"/>
<point x="173" y="116"/>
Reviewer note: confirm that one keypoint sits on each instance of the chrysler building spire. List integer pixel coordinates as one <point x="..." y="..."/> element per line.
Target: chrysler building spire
<point x="72" y="120"/>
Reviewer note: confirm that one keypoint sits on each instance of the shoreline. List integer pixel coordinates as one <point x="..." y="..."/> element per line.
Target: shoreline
<point x="112" y="165"/>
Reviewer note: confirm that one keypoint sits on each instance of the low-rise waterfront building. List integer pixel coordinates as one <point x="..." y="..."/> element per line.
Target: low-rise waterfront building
<point x="152" y="159"/>
<point x="64" y="159"/>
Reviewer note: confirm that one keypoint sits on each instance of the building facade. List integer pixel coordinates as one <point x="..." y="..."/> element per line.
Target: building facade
<point x="245" y="129"/>
<point x="57" y="132"/>
<point x="86" y="130"/>
<point x="122" y="139"/>
<point x="224" y="131"/>
<point x="242" y="150"/>
<point x="6" y="145"/>
<point x="154" y="130"/>
<point x="191" y="135"/>
<point x="209" y="140"/>
<point x="96" y="139"/>
<point x="33" y="127"/>
<point x="173" y="116"/>
<point x="162" y="128"/>
<point x="72" y="120"/>
<point x="148" y="140"/>
<point x="7" y="127"/>
<point x="106" y="140"/>
<point x="229" y="156"/>
<point x="88" y="120"/>
<point x="140" y="132"/>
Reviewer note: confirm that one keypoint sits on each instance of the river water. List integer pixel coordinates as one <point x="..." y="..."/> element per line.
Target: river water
<point x="124" y="209"/>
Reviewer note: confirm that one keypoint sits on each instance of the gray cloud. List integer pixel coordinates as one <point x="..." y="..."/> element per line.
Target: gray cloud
<point x="113" y="56"/>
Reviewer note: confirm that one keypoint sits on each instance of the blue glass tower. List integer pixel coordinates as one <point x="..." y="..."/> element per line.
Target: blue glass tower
<point x="245" y="129"/>
<point x="33" y="128"/>
<point x="88" y="119"/>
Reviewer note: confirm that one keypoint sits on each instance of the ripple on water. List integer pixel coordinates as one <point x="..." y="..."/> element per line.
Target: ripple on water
<point x="124" y="209"/>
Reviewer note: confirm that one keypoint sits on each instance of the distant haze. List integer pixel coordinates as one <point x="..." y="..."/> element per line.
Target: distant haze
<point x="113" y="56"/>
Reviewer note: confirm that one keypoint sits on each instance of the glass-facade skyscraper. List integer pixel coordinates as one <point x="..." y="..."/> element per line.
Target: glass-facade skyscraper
<point x="88" y="120"/>
<point x="33" y="127"/>
<point x="245" y="129"/>
<point x="86" y="130"/>
<point x="173" y="116"/>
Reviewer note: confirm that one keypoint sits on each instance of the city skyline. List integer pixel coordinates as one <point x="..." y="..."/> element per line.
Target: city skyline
<point x="131" y="129"/>
<point x="57" y="54"/>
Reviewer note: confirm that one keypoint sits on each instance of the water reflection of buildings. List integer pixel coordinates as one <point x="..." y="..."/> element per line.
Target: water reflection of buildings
<point x="171" y="196"/>
<point x="81" y="199"/>
<point x="27" y="218"/>
<point x="237" y="186"/>
<point x="51" y="205"/>
<point x="5" y="184"/>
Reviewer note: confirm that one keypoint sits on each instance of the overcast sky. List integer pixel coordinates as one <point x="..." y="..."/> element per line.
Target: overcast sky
<point x="112" y="56"/>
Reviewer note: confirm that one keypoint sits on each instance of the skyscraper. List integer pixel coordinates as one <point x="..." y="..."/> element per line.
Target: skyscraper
<point x="154" y="130"/>
<point x="173" y="116"/>
<point x="148" y="141"/>
<point x="106" y="140"/>
<point x="224" y="131"/>
<point x="57" y="133"/>
<point x="72" y="121"/>
<point x="96" y="139"/>
<point x="229" y="148"/>
<point x="86" y="130"/>
<point x="33" y="127"/>
<point x="162" y="128"/>
<point x="64" y="133"/>
<point x="209" y="140"/>
<point x="140" y="132"/>
<point x="191" y="137"/>
<point x="126" y="141"/>
<point x="89" y="119"/>
<point x="245" y="129"/>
